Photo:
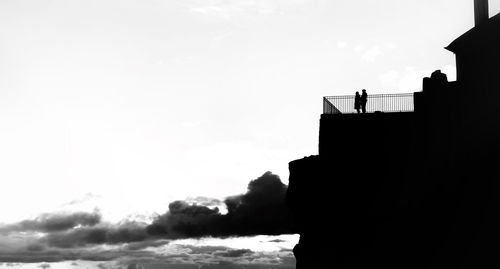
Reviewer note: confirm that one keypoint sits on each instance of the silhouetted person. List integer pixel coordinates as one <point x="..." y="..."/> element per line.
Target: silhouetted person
<point x="364" y="99"/>
<point x="357" y="102"/>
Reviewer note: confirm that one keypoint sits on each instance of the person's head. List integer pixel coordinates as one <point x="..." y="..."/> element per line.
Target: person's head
<point x="357" y="93"/>
<point x="364" y="90"/>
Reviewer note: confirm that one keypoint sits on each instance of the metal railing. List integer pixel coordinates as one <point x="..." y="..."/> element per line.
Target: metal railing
<point x="402" y="102"/>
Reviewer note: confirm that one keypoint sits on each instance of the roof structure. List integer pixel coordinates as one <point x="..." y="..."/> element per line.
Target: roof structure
<point x="483" y="36"/>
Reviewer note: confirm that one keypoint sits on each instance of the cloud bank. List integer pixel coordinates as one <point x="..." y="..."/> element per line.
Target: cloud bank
<point x="54" y="222"/>
<point x="59" y="237"/>
<point x="261" y="210"/>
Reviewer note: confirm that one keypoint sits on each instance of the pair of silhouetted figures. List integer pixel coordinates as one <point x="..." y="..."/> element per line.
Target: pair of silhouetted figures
<point x="360" y="101"/>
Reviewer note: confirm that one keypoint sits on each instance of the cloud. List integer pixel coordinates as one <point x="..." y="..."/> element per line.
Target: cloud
<point x="223" y="265"/>
<point x="35" y="257"/>
<point x="35" y="247"/>
<point x="134" y="266"/>
<point x="50" y="255"/>
<point x="86" y="198"/>
<point x="54" y="222"/>
<point x="189" y="256"/>
<point x="102" y="234"/>
<point x="230" y="265"/>
<point x="146" y="244"/>
<point x="259" y="211"/>
<point x="41" y="239"/>
<point x="84" y="236"/>
<point x="234" y="253"/>
<point x="165" y="256"/>
<point x="205" y="201"/>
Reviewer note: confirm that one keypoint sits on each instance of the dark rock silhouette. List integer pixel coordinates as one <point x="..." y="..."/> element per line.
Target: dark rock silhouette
<point x="426" y="192"/>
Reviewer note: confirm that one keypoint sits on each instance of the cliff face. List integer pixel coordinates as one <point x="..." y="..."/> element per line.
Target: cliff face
<point x="345" y="198"/>
<point x="409" y="190"/>
<point x="398" y="190"/>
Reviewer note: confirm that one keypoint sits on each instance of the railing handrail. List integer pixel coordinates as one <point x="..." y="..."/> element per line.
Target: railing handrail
<point x="371" y="95"/>
<point x="390" y="102"/>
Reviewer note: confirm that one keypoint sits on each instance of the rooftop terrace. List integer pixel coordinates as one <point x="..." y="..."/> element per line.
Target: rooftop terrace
<point x="402" y="102"/>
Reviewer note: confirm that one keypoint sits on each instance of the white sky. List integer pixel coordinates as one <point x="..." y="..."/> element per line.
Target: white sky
<point x="126" y="105"/>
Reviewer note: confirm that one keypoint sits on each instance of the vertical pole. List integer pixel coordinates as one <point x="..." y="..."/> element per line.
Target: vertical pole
<point x="481" y="13"/>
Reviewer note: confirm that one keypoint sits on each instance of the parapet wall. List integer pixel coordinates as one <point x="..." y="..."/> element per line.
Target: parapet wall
<point x="365" y="136"/>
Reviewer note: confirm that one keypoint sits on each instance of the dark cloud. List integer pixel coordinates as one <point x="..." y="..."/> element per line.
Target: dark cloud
<point x="35" y="247"/>
<point x="223" y="265"/>
<point x="134" y="266"/>
<point x="78" y="236"/>
<point x="103" y="234"/>
<point x="169" y="266"/>
<point x="54" y="222"/>
<point x="219" y="265"/>
<point x="260" y="211"/>
<point x="186" y="256"/>
<point x="184" y="220"/>
<point x="146" y="244"/>
<point x="234" y="253"/>
<point x="31" y="257"/>
<point x="36" y="257"/>
<point x="267" y="266"/>
<point x="84" y="254"/>
<point x="289" y="260"/>
<point x="211" y="255"/>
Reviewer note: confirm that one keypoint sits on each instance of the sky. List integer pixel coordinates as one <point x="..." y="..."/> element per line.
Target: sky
<point x="117" y="108"/>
